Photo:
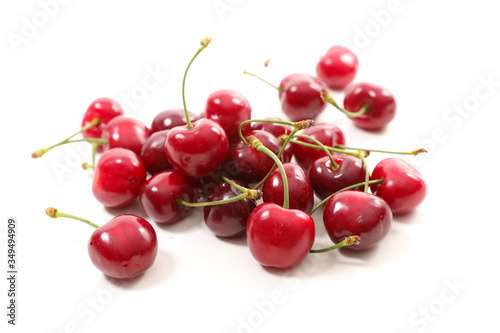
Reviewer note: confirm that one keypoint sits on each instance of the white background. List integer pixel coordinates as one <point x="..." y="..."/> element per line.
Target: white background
<point x="435" y="271"/>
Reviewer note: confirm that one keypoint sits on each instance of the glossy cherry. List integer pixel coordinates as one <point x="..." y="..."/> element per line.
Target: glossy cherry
<point x="278" y="130"/>
<point x="126" y="132"/>
<point x="250" y="165"/>
<point x="300" y="189"/>
<point x="229" y="109"/>
<point x="350" y="213"/>
<point x="380" y="102"/>
<point x="229" y="219"/>
<point x="403" y="188"/>
<point x="159" y="194"/>
<point x="153" y="153"/>
<point x="327" y="133"/>
<point x="118" y="176"/>
<point x="338" y="67"/>
<point x="104" y="109"/>
<point x="279" y="237"/>
<point x="326" y="181"/>
<point x="300" y="97"/>
<point x="169" y="119"/>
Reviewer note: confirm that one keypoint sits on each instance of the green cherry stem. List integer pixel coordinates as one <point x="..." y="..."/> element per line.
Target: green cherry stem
<point x="257" y="145"/>
<point x="348" y="241"/>
<point x="331" y="149"/>
<point x="272" y="85"/>
<point x="233" y="184"/>
<point x="248" y="194"/>
<point x="54" y="213"/>
<point x="413" y="152"/>
<point x="299" y="125"/>
<point x="328" y="98"/>
<point x="335" y="166"/>
<point x="204" y="43"/>
<point x="367" y="176"/>
<point x="376" y="181"/>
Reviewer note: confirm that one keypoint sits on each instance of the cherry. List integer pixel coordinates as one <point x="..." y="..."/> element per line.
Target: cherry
<point x="123" y="248"/>
<point x="125" y="132"/>
<point x="169" y="119"/>
<point x="229" y="109"/>
<point x="327" y="133"/>
<point x="160" y="194"/>
<point x="118" y="177"/>
<point x="278" y="130"/>
<point x="380" y="104"/>
<point x="279" y="237"/>
<point x="153" y="153"/>
<point x="229" y="219"/>
<point x="301" y="193"/>
<point x="326" y="180"/>
<point x="103" y="109"/>
<point x="349" y="213"/>
<point x="338" y="67"/>
<point x="250" y="165"/>
<point x="403" y="187"/>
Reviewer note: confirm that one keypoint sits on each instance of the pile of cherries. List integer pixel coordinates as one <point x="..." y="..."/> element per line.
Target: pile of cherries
<point x="253" y="177"/>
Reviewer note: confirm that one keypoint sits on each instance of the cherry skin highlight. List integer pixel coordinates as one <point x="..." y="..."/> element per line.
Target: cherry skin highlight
<point x="118" y="176"/>
<point x="125" y="132"/>
<point x="403" y="188"/>
<point x="279" y="237"/>
<point x="123" y="248"/>
<point x="169" y="119"/>
<point x="350" y="213"/>
<point x="338" y="67"/>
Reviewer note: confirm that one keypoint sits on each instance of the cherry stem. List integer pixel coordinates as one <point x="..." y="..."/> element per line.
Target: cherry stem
<point x="204" y="43"/>
<point x="413" y="152"/>
<point x="376" y="181"/>
<point x="272" y="85"/>
<point x="248" y="194"/>
<point x="233" y="184"/>
<point x="40" y="152"/>
<point x="54" y="213"/>
<point x="332" y="149"/>
<point x="328" y="98"/>
<point x="367" y="177"/>
<point x="257" y="145"/>
<point x="335" y="166"/>
<point x="299" y="125"/>
<point x="348" y="241"/>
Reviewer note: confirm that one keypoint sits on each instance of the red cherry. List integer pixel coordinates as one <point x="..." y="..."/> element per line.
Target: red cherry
<point x="350" y="213"/>
<point x="300" y="97"/>
<point x="169" y="119"/>
<point x="159" y="194"/>
<point x="326" y="181"/>
<point x="125" y="132"/>
<point x="229" y="109"/>
<point x="229" y="219"/>
<point x="118" y="177"/>
<point x="326" y="133"/>
<point x="338" y="67"/>
<point x="277" y="130"/>
<point x="279" y="237"/>
<point x="381" y="105"/>
<point x="403" y="187"/>
<point x="301" y="193"/>
<point x="123" y="248"/>
<point x="103" y="109"/>
<point x="153" y="153"/>
<point x="197" y="152"/>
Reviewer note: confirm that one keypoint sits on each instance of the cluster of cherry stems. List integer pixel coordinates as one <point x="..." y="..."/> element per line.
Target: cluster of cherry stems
<point x="209" y="160"/>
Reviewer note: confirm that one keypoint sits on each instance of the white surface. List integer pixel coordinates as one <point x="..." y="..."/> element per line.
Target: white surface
<point x="434" y="56"/>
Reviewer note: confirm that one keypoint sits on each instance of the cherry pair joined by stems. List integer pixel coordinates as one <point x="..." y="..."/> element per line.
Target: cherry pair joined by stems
<point x="123" y="248"/>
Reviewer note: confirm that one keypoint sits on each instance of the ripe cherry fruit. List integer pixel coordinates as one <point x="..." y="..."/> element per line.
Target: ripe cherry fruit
<point x="338" y="67"/>
<point x="169" y="119"/>
<point x="126" y="132"/>
<point x="104" y="109"/>
<point x="153" y="153"/>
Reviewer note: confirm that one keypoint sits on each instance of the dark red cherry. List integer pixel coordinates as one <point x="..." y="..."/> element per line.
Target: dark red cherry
<point x="278" y="130"/>
<point x="381" y="105"/>
<point x="326" y="133"/>
<point x="229" y="219"/>
<point x="153" y="153"/>
<point x="350" y="213"/>
<point x="300" y="190"/>
<point x="123" y="248"/>
<point x="279" y="237"/>
<point x="300" y="97"/>
<point x="159" y="194"/>
<point x="169" y="119"/>
<point x="326" y="181"/>
<point x="118" y="177"/>
<point x="104" y="109"/>
<point x="338" y="67"/>
<point x="197" y="152"/>
<point x="248" y="164"/>
<point x="403" y="188"/>
<point x="125" y="132"/>
<point x="229" y="109"/>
